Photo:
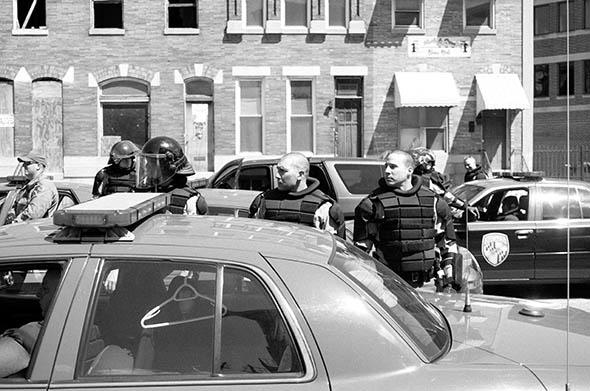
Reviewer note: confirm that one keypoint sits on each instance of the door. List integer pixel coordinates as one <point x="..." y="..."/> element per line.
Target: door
<point x="503" y="239"/>
<point x="494" y="137"/>
<point x="348" y="125"/>
<point x="6" y="119"/>
<point x="196" y="136"/>
<point x="47" y="123"/>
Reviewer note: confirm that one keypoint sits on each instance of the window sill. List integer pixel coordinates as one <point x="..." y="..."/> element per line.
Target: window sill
<point x="181" y="31"/>
<point x="479" y="30"/>
<point x="542" y="99"/>
<point x="564" y="97"/>
<point x="30" y="32"/>
<point x="106" y="31"/>
<point x="408" y="30"/>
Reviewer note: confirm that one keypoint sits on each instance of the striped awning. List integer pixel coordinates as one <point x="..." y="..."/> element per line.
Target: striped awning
<point x="425" y="89"/>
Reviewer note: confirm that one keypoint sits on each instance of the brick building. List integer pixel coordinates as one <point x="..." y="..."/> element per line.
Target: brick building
<point x="551" y="85"/>
<point x="266" y="76"/>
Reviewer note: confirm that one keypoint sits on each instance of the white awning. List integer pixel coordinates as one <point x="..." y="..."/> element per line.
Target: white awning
<point x="425" y="89"/>
<point x="500" y="91"/>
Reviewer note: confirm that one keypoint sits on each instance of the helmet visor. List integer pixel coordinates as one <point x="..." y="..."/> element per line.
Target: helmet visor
<point x="154" y="170"/>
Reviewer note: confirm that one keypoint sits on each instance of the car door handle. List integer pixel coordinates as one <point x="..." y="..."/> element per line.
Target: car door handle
<point x="523" y="233"/>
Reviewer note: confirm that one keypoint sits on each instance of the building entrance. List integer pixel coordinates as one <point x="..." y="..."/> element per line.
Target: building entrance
<point x="494" y="140"/>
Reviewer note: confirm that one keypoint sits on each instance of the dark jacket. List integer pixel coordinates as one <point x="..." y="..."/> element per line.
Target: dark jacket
<point x="476" y="173"/>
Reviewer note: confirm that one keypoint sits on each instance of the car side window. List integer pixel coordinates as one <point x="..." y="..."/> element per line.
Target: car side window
<point x="555" y="203"/>
<point x="505" y="205"/>
<point x="315" y="171"/>
<point x="585" y="202"/>
<point x="26" y="296"/>
<point x="163" y="318"/>
<point x="254" y="178"/>
<point x="226" y="180"/>
<point x="65" y="201"/>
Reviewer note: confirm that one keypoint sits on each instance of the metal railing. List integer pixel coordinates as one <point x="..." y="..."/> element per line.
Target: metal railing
<point x="552" y="159"/>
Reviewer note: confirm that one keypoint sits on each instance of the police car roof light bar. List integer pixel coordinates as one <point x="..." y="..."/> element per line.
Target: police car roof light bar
<point x="114" y="210"/>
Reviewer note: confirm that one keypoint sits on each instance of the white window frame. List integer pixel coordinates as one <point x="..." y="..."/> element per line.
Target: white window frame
<point x="253" y="29"/>
<point x="238" y="116"/>
<point x="295" y="29"/>
<point x="106" y="31"/>
<point x="491" y="29"/>
<point x="313" y="110"/>
<point x="180" y="30"/>
<point x="17" y="30"/>
<point x="337" y="29"/>
<point x="422" y="129"/>
<point x="408" y="29"/>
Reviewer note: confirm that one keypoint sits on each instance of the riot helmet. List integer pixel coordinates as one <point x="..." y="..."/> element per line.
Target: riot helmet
<point x="424" y="160"/>
<point x="123" y="149"/>
<point x="160" y="159"/>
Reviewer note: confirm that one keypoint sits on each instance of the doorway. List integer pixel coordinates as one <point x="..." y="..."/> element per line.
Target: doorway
<point x="47" y="123"/>
<point x="494" y="138"/>
<point x="198" y="124"/>
<point x="348" y="116"/>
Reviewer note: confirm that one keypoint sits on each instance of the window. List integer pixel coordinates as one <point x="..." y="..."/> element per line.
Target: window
<point x="255" y="178"/>
<point x="296" y="13"/>
<point x="407" y="13"/>
<point x="250" y="115"/>
<point x="125" y="112"/>
<point x="542" y="19"/>
<point x="254" y="11"/>
<point x="555" y="203"/>
<point x="586" y="76"/>
<point x="359" y="178"/>
<point x="541" y="81"/>
<point x="563" y="90"/>
<point x="423" y="127"/>
<point x="337" y="13"/>
<point x="504" y="205"/>
<point x="27" y="292"/>
<point x="182" y="14"/>
<point x="165" y="318"/>
<point x="30" y="15"/>
<point x="6" y="118"/>
<point x="300" y="110"/>
<point x="562" y="16"/>
<point x="479" y="13"/>
<point x="107" y="14"/>
<point x="587" y="14"/>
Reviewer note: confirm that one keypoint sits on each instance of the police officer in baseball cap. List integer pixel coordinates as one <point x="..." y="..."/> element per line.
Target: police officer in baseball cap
<point x="119" y="175"/>
<point x="162" y="167"/>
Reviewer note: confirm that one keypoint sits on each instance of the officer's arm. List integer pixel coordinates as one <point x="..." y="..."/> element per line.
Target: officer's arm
<point x="202" y="207"/>
<point x="337" y="221"/>
<point x="254" y="206"/>
<point x="364" y="213"/>
<point x="13" y="356"/>
<point x="98" y="183"/>
<point x="41" y="200"/>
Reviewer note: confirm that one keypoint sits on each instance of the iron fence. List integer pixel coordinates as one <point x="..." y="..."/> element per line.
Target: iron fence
<point x="552" y="159"/>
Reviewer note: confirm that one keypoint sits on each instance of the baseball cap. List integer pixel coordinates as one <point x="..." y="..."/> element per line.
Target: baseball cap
<point x="34" y="157"/>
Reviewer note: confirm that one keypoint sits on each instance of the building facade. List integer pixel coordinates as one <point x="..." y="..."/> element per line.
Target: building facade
<point x="552" y="94"/>
<point x="242" y="77"/>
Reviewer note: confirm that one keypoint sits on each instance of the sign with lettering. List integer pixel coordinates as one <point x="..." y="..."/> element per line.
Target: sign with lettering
<point x="439" y="47"/>
<point x="6" y="121"/>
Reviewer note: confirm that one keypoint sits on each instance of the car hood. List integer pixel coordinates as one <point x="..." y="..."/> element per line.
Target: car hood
<point x="495" y="332"/>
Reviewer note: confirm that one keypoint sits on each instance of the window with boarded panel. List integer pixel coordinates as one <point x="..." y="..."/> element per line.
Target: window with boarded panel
<point x="6" y="118"/>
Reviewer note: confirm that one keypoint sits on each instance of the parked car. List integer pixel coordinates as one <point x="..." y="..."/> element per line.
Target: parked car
<point x="347" y="180"/>
<point x="522" y="233"/>
<point x="270" y="305"/>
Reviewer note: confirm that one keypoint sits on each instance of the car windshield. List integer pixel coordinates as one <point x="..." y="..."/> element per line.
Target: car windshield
<point x="360" y="178"/>
<point x="419" y="320"/>
<point x="467" y="191"/>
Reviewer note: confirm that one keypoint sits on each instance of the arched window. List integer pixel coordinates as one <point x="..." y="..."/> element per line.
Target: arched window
<point x="125" y="112"/>
<point x="6" y="118"/>
<point x="198" y="134"/>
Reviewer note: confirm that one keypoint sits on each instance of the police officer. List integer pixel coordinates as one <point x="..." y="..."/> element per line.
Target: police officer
<point x="39" y="197"/>
<point x="298" y="198"/>
<point x="162" y="167"/>
<point x="119" y="175"/>
<point x="399" y="220"/>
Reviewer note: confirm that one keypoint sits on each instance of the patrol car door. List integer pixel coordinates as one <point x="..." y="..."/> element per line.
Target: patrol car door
<point x="502" y="239"/>
<point x="552" y="235"/>
<point x="7" y="205"/>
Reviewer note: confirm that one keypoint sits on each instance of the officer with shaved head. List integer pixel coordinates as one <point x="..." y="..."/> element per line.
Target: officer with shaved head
<point x="298" y="198"/>
<point x="399" y="219"/>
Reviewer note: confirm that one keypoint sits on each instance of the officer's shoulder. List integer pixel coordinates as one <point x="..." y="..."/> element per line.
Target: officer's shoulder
<point x="46" y="184"/>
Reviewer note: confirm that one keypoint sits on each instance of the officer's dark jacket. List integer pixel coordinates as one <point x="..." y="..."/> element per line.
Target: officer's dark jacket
<point x="401" y="225"/>
<point x="298" y="207"/>
<point x="113" y="179"/>
<point x="180" y="193"/>
<point x="476" y="173"/>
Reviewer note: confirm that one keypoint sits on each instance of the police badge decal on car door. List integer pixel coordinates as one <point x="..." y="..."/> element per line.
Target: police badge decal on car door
<point x="495" y="248"/>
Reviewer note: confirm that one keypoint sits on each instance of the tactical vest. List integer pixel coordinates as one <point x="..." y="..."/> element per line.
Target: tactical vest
<point x="178" y="199"/>
<point x="406" y="232"/>
<point x="124" y="182"/>
<point x="295" y="210"/>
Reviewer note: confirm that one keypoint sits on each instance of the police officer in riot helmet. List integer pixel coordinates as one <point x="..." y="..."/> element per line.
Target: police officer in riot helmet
<point x="398" y="221"/>
<point x="119" y="175"/>
<point x="162" y="167"/>
<point x="298" y="198"/>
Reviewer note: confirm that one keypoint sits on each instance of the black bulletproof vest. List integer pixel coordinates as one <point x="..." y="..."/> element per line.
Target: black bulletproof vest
<point x="118" y="181"/>
<point x="283" y="207"/>
<point x="178" y="199"/>
<point x="406" y="233"/>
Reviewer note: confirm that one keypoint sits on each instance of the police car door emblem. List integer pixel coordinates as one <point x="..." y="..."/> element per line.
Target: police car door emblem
<point x="495" y="248"/>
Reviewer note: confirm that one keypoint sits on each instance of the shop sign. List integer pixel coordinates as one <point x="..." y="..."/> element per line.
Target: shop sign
<point x="6" y="121"/>
<point x="439" y="47"/>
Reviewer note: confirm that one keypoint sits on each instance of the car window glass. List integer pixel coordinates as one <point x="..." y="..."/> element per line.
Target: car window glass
<point x="158" y="318"/>
<point x="467" y="191"/>
<point x="584" y="195"/>
<point x="504" y="205"/>
<point x="254" y="178"/>
<point x="27" y="292"/>
<point x="226" y="180"/>
<point x="65" y="202"/>
<point x="360" y="178"/>
<point x="317" y="172"/>
<point x="422" y="323"/>
<point x="554" y="204"/>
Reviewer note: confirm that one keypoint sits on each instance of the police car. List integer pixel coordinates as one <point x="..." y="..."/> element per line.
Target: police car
<point x="527" y="227"/>
<point x="150" y="301"/>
